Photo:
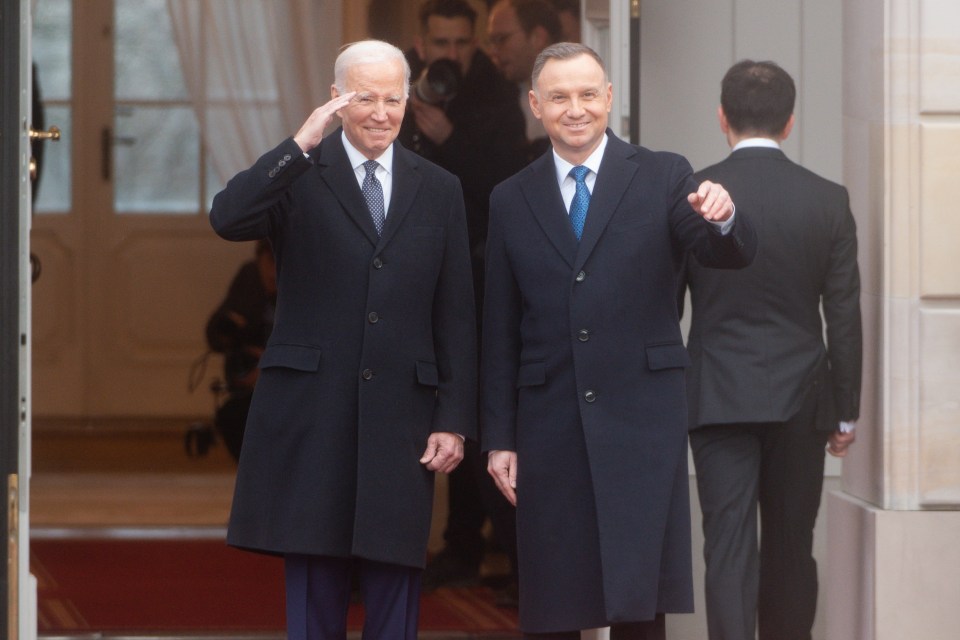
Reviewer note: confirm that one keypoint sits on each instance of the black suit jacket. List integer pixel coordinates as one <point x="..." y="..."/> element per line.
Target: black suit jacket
<point x="583" y="365"/>
<point x="756" y="337"/>
<point x="373" y="348"/>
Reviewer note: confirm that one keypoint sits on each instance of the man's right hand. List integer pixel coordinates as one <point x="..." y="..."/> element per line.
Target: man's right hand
<point x="311" y="133"/>
<point x="839" y="442"/>
<point x="502" y="465"/>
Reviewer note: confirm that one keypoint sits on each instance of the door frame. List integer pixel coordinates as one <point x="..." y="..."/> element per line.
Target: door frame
<point x="17" y="617"/>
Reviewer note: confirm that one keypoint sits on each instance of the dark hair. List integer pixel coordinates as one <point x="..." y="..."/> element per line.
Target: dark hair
<point x="563" y="51"/>
<point x="446" y="9"/>
<point x="538" y="13"/>
<point x="572" y="6"/>
<point x="757" y="97"/>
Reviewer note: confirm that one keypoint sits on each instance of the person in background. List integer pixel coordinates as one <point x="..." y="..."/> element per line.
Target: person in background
<point x="518" y="30"/>
<point x="569" y="13"/>
<point x="475" y="130"/>
<point x="584" y="408"/>
<point x="766" y="393"/>
<point x="239" y="329"/>
<point x="367" y="386"/>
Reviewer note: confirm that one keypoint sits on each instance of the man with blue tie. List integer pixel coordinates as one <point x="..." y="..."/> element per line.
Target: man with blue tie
<point x="583" y="361"/>
<point x="368" y="381"/>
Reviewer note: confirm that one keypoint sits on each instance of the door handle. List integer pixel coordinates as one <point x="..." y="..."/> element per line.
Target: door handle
<point x="51" y="134"/>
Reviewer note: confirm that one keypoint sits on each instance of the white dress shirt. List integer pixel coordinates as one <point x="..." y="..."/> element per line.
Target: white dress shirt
<point x="384" y="170"/>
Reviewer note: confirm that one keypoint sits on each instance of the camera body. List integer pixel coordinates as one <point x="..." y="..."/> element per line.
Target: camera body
<point x="439" y="82"/>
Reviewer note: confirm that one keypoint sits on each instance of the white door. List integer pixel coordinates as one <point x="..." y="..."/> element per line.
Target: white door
<point x="130" y="267"/>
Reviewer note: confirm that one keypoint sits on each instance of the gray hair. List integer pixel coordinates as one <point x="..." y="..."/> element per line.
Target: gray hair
<point x="564" y="51"/>
<point x="368" y="52"/>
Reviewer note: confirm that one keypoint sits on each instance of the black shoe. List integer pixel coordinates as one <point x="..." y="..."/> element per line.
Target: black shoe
<point x="449" y="570"/>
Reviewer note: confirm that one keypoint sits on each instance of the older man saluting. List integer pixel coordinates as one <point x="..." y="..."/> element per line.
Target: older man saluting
<point x="367" y="384"/>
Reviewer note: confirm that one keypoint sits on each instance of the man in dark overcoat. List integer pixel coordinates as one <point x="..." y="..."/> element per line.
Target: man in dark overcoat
<point x="583" y="360"/>
<point x="368" y="381"/>
<point x="766" y="392"/>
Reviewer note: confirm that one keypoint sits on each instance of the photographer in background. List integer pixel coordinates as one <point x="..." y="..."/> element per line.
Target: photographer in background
<point x="239" y="329"/>
<point x="464" y="116"/>
<point x="476" y="130"/>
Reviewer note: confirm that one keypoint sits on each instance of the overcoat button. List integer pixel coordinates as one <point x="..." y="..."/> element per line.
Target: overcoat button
<point x="287" y="157"/>
<point x="272" y="173"/>
<point x="581" y="276"/>
<point x="589" y="396"/>
<point x="282" y="163"/>
<point x="583" y="335"/>
<point x="373" y="317"/>
<point x="367" y="374"/>
<point x="377" y="263"/>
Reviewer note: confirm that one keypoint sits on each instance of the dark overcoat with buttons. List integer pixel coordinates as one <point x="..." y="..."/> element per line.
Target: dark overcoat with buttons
<point x="373" y="348"/>
<point x="583" y="374"/>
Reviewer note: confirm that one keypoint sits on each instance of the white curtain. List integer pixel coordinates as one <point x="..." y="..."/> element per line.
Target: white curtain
<point x="255" y="69"/>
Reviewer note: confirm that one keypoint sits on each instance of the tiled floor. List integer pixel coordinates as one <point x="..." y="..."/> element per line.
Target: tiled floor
<point x="125" y="476"/>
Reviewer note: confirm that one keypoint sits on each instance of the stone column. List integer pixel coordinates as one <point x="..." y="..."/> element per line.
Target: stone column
<point x="894" y="531"/>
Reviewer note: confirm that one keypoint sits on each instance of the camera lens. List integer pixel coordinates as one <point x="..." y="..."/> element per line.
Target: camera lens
<point x="439" y="82"/>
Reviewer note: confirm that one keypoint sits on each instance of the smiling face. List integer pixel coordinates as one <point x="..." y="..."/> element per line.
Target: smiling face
<point x="372" y="120"/>
<point x="573" y="100"/>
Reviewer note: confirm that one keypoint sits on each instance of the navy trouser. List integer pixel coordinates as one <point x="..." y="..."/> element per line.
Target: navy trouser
<point x="318" y="597"/>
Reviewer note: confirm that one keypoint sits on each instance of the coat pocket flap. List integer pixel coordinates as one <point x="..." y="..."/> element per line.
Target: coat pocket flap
<point x="291" y="356"/>
<point x="667" y="356"/>
<point x="531" y="374"/>
<point x="427" y="373"/>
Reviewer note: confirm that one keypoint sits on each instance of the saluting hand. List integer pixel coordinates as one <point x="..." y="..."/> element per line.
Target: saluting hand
<point x="711" y="201"/>
<point x="443" y="453"/>
<point x="312" y="130"/>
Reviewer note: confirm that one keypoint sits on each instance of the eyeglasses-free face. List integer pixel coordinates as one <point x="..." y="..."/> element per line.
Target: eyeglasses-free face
<point x="372" y="120"/>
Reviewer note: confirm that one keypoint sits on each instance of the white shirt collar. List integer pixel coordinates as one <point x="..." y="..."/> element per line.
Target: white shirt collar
<point x="357" y="159"/>
<point x="592" y="162"/>
<point x="757" y="142"/>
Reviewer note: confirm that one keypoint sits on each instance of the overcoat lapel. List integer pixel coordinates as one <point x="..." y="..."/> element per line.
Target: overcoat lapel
<point x="613" y="179"/>
<point x="543" y="196"/>
<point x="336" y="171"/>
<point x="406" y="184"/>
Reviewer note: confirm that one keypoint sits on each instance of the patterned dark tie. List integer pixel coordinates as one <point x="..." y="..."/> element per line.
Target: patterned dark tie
<point x="581" y="200"/>
<point x="373" y="192"/>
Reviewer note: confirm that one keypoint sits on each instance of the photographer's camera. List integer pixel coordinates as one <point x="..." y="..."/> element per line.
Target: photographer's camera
<point x="439" y="82"/>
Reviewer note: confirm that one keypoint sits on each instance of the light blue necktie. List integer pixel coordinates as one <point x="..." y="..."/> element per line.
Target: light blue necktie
<point x="581" y="200"/>
<point x="373" y="192"/>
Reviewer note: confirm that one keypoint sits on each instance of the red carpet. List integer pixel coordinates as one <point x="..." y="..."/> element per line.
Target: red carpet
<point x="200" y="585"/>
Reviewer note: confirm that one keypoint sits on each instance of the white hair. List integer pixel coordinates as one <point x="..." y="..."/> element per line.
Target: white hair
<point x="369" y="52"/>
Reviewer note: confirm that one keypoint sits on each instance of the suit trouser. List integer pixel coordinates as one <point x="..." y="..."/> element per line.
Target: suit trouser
<point x="779" y="466"/>
<point x="318" y="597"/>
